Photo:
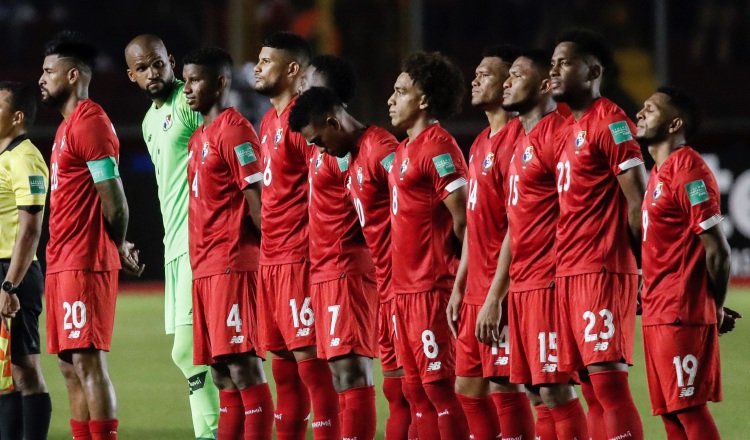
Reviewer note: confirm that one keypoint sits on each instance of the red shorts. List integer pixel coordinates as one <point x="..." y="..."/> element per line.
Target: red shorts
<point x="347" y="310"/>
<point x="80" y="309"/>
<point x="424" y="342"/>
<point x="387" y="336"/>
<point x="533" y="354"/>
<point x="474" y="358"/>
<point x="595" y="319"/>
<point x="224" y="316"/>
<point x="285" y="320"/>
<point x="682" y="366"/>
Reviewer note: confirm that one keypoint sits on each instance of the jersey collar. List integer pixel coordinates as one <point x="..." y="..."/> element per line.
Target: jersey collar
<point x="15" y="142"/>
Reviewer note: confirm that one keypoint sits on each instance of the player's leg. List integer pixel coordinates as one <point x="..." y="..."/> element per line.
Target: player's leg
<point x="673" y="426"/>
<point x="79" y="411"/>
<point x="400" y="413"/>
<point x="90" y="366"/>
<point x="178" y="311"/>
<point x="472" y="389"/>
<point x="232" y="413"/>
<point x="513" y="408"/>
<point x="292" y="397"/>
<point x="353" y="380"/>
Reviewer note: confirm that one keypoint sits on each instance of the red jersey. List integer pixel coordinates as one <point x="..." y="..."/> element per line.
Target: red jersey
<point x="486" y="220"/>
<point x="78" y="238"/>
<point x="337" y="246"/>
<point x="286" y="158"/>
<point x="592" y="234"/>
<point x="532" y="206"/>
<point x="223" y="160"/>
<point x="424" y="172"/>
<point x="368" y="183"/>
<point x="682" y="201"/>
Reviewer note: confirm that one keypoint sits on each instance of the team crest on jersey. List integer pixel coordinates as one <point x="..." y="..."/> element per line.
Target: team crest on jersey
<point x="277" y="138"/>
<point x="658" y="191"/>
<point x="580" y="139"/>
<point x="404" y="166"/>
<point x="488" y="161"/>
<point x="360" y="177"/>
<point x="204" y="152"/>
<point x="318" y="161"/>
<point x="528" y="154"/>
<point x="167" y="122"/>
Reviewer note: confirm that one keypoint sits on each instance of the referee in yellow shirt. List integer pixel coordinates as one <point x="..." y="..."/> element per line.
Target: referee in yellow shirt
<point x="24" y="411"/>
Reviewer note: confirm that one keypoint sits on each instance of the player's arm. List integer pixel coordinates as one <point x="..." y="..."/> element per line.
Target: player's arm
<point x="456" y="204"/>
<point x="633" y="184"/>
<point x="718" y="264"/>
<point x="27" y="240"/>
<point x="252" y="195"/>
<point x="488" y="319"/>
<point x="459" y="287"/>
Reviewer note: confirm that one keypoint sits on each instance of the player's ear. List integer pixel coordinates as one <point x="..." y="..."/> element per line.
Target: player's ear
<point x="171" y="61"/>
<point x="546" y="86"/>
<point x="294" y="69"/>
<point x="333" y="123"/>
<point x="423" y="102"/>
<point x="595" y="71"/>
<point x="73" y="75"/>
<point x="131" y="77"/>
<point x="676" y="124"/>
<point x="18" y="118"/>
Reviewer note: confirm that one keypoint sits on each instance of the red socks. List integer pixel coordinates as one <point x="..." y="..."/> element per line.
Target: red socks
<point x="595" y="414"/>
<point x="425" y="415"/>
<point x="514" y="412"/>
<point x="545" y="424"/>
<point x="620" y="414"/>
<point x="292" y="402"/>
<point x="698" y="423"/>
<point x="360" y="420"/>
<point x="231" y="415"/>
<point x="258" y="405"/>
<point x="482" y="417"/>
<point x="316" y="374"/>
<point x="103" y="429"/>
<point x="451" y="418"/>
<point x="413" y="429"/>
<point x="397" y="425"/>
<point x="80" y="429"/>
<point x="570" y="421"/>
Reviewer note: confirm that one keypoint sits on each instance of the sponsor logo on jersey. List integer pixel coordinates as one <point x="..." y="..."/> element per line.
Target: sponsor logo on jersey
<point x="277" y="138"/>
<point x="204" y="152"/>
<point x="620" y="132"/>
<point x="622" y="436"/>
<point x="257" y="410"/>
<point x="657" y="191"/>
<point x="335" y="342"/>
<point x="318" y="161"/>
<point x="488" y="161"/>
<point x="404" y="166"/>
<point x="322" y="423"/>
<point x="167" y="123"/>
<point x="303" y="332"/>
<point x="360" y="177"/>
<point x="444" y="413"/>
<point x="75" y="334"/>
<point x="580" y="139"/>
<point x="237" y="339"/>
<point x="434" y="366"/>
<point x="697" y="192"/>
<point x="601" y="346"/>
<point x="687" y="392"/>
<point x="549" y="368"/>
<point x="501" y="360"/>
<point x="528" y="154"/>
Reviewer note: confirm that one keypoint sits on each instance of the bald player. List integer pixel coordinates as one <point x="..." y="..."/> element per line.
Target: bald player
<point x="167" y="127"/>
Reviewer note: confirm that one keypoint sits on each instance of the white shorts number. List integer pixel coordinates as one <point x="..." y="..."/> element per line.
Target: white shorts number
<point x="304" y="316"/>
<point x="75" y="313"/>
<point x="688" y="365"/>
<point x="607" y="315"/>
<point x="233" y="320"/>
<point x="334" y="309"/>
<point x="547" y="343"/>
<point x="429" y="344"/>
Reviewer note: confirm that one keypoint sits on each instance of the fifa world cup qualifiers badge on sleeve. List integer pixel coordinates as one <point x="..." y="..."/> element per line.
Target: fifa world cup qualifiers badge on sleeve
<point x="444" y="164"/>
<point x="36" y="185"/>
<point x="620" y="132"/>
<point x="697" y="192"/>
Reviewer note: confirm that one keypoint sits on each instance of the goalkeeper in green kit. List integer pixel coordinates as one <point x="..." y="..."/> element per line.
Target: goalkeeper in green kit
<point x="167" y="127"/>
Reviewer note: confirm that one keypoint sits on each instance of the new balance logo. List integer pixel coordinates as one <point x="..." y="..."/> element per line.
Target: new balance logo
<point x="303" y="332"/>
<point x="223" y="409"/>
<point x="322" y="424"/>
<point x="237" y="339"/>
<point x="434" y="366"/>
<point x="335" y="342"/>
<point x="75" y="334"/>
<point x="601" y="346"/>
<point x="502" y="360"/>
<point x="549" y="368"/>
<point x="277" y="416"/>
<point x="687" y="392"/>
<point x="444" y="413"/>
<point x="257" y="410"/>
<point x="622" y="436"/>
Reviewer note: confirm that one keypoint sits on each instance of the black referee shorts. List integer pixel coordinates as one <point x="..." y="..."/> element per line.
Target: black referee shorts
<point x="24" y="328"/>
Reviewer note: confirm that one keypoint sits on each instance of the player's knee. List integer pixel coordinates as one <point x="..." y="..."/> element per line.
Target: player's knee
<point x="351" y="372"/>
<point x="28" y="379"/>
<point x="89" y="367"/>
<point x="182" y="356"/>
<point x="471" y="386"/>
<point x="67" y="369"/>
<point x="556" y="394"/>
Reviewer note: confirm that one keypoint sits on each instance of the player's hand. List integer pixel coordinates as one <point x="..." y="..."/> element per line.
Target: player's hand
<point x="453" y="311"/>
<point x="129" y="259"/>
<point x="488" y="322"/>
<point x="728" y="319"/>
<point x="9" y="304"/>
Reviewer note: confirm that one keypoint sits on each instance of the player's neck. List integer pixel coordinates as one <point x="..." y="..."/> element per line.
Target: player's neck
<point x="357" y="129"/>
<point x="281" y="101"/>
<point x="70" y="104"/>
<point x="498" y="119"/>
<point x="660" y="151"/>
<point x="420" y="125"/>
<point x="580" y="104"/>
<point x="212" y="114"/>
<point x="532" y="117"/>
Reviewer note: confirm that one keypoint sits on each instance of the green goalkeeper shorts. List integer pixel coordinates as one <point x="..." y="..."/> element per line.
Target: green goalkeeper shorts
<point x="178" y="293"/>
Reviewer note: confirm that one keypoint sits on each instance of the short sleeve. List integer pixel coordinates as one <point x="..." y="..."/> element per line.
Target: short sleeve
<point x="618" y="145"/>
<point x="191" y="119"/>
<point x="698" y="197"/>
<point x="381" y="159"/>
<point x="30" y="178"/>
<point x="299" y="143"/>
<point x="93" y="138"/>
<point x="445" y="165"/>
<point x="241" y="151"/>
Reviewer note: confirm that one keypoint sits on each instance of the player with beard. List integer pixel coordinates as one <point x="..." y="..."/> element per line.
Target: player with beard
<point x="87" y="246"/>
<point x="167" y="127"/>
<point x="287" y="324"/>
<point x="482" y="370"/>
<point x="600" y="183"/>
<point x="686" y="266"/>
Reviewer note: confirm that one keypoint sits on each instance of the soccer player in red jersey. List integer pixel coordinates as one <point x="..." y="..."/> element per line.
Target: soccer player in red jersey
<point x="484" y="368"/>
<point x="531" y="203"/>
<point x="428" y="220"/>
<point x="287" y="322"/>
<point x="600" y="181"/>
<point x="331" y="72"/>
<point x="87" y="246"/>
<point x="685" y="270"/>
<point x="224" y="171"/>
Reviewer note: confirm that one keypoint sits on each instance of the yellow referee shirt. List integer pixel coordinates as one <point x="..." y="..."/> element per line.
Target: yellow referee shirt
<point x="23" y="183"/>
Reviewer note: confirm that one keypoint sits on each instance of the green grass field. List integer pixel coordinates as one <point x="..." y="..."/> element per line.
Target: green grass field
<point x="152" y="395"/>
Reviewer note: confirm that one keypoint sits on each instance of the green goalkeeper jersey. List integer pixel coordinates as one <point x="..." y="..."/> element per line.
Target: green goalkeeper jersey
<point x="166" y="131"/>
